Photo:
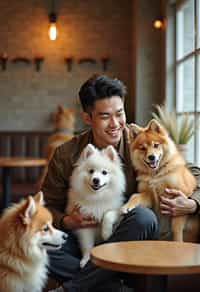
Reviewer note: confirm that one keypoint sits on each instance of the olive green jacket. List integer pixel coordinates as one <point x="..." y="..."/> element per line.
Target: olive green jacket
<point x="60" y="168"/>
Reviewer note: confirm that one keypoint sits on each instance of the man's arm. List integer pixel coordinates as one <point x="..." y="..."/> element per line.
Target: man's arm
<point x="196" y="194"/>
<point x="55" y="187"/>
<point x="76" y="220"/>
<point x="179" y="204"/>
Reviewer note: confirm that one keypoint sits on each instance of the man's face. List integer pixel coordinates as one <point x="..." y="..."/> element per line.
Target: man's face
<point x="107" y="121"/>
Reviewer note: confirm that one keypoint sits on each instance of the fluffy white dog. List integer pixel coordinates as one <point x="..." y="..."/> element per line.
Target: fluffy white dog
<point x="97" y="187"/>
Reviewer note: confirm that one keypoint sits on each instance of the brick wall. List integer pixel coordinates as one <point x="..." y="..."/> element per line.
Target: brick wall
<point x="149" y="58"/>
<point x="87" y="29"/>
<point x="93" y="29"/>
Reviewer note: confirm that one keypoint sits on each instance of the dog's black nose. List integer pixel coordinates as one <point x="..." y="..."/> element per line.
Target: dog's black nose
<point x="65" y="236"/>
<point x="151" y="157"/>
<point x="96" y="181"/>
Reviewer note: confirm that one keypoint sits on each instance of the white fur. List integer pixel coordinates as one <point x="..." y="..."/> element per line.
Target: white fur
<point x="23" y="255"/>
<point x="105" y="167"/>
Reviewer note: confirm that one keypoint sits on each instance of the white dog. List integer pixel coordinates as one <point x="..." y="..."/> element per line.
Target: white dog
<point x="97" y="187"/>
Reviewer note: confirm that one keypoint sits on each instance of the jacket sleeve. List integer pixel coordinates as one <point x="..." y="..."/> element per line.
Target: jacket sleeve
<point x="196" y="194"/>
<point x="56" y="184"/>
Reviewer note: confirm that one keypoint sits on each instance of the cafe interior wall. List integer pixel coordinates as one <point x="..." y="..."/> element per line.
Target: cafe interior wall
<point x="89" y="32"/>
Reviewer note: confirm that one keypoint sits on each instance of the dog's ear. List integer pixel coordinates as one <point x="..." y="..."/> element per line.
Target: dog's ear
<point x="134" y="130"/>
<point x="155" y="126"/>
<point x="111" y="153"/>
<point x="87" y="151"/>
<point x="39" y="198"/>
<point x="28" y="211"/>
<point x="60" y="108"/>
<point x="71" y="110"/>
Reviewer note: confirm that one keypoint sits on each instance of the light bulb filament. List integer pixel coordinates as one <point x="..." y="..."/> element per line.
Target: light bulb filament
<point x="52" y="31"/>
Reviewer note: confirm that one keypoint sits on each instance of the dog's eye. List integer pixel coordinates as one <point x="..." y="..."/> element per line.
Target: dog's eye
<point x="143" y="148"/>
<point x="104" y="172"/>
<point x="46" y="228"/>
<point x="91" y="171"/>
<point x="156" y="145"/>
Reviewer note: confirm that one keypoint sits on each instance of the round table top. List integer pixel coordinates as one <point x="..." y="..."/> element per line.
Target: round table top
<point x="148" y="257"/>
<point x="16" y="161"/>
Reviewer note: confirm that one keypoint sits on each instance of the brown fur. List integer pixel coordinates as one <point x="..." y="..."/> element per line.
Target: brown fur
<point x="64" y="129"/>
<point x="26" y="232"/>
<point x="171" y="171"/>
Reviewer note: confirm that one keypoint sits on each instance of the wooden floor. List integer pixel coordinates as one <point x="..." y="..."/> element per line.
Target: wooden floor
<point x="180" y="283"/>
<point x="183" y="283"/>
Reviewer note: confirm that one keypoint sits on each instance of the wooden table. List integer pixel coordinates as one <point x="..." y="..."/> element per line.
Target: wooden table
<point x="7" y="163"/>
<point x="149" y="258"/>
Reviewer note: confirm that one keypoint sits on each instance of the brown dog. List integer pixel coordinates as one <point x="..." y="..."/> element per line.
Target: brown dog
<point x="27" y="234"/>
<point x="159" y="165"/>
<point x="64" y="129"/>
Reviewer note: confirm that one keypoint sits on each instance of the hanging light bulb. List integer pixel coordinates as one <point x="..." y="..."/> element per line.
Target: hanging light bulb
<point x="158" y="24"/>
<point x="52" y="27"/>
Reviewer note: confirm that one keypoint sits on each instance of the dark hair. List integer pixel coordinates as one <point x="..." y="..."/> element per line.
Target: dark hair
<point x="100" y="87"/>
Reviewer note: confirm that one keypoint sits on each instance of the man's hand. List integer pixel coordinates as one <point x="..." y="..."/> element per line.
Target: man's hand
<point x="76" y="220"/>
<point x="176" y="203"/>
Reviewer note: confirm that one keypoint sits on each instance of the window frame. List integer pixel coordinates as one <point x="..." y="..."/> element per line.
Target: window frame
<point x="172" y="63"/>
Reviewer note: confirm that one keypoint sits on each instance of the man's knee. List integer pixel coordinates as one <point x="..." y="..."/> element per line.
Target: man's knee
<point x="144" y="217"/>
<point x="142" y="223"/>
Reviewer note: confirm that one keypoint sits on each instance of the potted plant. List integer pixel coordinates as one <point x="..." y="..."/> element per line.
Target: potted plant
<point x="180" y="130"/>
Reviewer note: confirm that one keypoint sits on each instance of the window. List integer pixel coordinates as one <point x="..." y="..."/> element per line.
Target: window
<point x="187" y="68"/>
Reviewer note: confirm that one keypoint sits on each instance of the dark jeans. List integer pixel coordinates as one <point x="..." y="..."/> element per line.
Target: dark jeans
<point x="139" y="224"/>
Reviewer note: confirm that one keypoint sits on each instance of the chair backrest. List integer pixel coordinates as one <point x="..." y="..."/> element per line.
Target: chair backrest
<point x="23" y="144"/>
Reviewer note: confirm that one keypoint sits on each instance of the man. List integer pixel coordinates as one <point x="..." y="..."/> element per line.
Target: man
<point x="102" y="100"/>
